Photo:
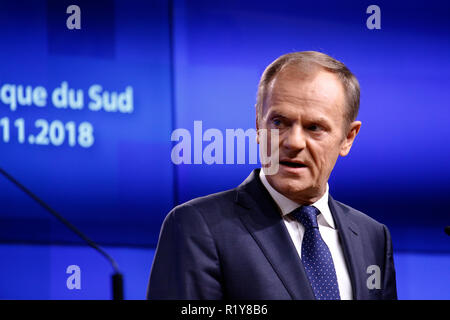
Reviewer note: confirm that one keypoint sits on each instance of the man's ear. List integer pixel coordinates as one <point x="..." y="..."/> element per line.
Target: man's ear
<point x="351" y="135"/>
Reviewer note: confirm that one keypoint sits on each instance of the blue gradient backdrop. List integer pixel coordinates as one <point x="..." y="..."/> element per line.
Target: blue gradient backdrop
<point x="201" y="60"/>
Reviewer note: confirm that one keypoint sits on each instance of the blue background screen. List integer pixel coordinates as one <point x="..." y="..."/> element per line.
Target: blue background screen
<point x="86" y="118"/>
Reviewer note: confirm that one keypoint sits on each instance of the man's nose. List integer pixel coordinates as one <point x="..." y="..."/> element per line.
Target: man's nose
<point x="295" y="139"/>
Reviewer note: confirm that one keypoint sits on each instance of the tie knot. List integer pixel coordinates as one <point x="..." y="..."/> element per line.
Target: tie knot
<point x="307" y="215"/>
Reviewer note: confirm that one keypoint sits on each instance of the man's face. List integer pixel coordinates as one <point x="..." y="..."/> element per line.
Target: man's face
<point x="309" y="111"/>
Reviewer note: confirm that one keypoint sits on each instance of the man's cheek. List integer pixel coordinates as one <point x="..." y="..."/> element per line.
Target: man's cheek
<point x="269" y="146"/>
<point x="320" y="167"/>
<point x="274" y="148"/>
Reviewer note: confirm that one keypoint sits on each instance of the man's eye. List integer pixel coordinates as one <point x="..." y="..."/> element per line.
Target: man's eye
<point x="277" y="122"/>
<point x="314" y="127"/>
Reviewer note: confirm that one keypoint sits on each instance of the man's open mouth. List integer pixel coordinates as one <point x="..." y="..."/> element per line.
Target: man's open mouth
<point x="292" y="164"/>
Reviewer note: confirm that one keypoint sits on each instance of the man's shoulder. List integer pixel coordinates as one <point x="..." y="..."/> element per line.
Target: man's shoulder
<point x="202" y="215"/>
<point x="360" y="218"/>
<point x="221" y="198"/>
<point x="212" y="207"/>
<point x="208" y="205"/>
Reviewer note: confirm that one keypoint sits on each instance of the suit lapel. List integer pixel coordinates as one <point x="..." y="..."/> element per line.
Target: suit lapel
<point x="260" y="215"/>
<point x="351" y="247"/>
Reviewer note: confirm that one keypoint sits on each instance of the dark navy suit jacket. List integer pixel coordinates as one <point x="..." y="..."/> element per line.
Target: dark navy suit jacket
<point x="235" y="245"/>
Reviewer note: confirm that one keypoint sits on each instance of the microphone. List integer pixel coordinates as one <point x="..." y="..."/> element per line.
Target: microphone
<point x="117" y="277"/>
<point x="447" y="230"/>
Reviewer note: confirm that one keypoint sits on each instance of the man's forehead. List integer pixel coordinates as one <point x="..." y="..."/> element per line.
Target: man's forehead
<point x="298" y="72"/>
<point x="280" y="97"/>
<point x="291" y="77"/>
<point x="321" y="88"/>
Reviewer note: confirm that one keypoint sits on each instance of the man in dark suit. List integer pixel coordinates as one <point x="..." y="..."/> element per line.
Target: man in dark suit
<point x="280" y="234"/>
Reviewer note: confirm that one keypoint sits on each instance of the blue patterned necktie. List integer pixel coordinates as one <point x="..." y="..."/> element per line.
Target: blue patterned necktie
<point x="316" y="256"/>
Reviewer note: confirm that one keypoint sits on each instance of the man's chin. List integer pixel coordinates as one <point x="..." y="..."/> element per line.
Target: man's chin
<point x="290" y="186"/>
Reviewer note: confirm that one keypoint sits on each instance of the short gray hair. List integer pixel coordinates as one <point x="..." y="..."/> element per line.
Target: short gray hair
<point x="305" y="60"/>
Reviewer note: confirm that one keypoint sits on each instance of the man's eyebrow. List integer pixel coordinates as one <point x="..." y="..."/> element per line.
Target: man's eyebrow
<point x="277" y="113"/>
<point x="319" y="119"/>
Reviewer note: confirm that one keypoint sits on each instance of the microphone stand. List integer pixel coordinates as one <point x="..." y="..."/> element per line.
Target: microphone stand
<point x="117" y="277"/>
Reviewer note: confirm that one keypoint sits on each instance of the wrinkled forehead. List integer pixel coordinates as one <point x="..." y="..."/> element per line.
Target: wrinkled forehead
<point x="300" y="86"/>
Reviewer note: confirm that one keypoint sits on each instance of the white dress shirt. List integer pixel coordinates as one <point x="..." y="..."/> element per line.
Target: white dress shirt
<point x="327" y="230"/>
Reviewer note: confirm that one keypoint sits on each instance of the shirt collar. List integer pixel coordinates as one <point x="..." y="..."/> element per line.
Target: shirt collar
<point x="286" y="205"/>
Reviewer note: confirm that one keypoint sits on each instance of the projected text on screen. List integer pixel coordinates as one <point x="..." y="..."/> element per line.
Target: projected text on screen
<point x="56" y="132"/>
